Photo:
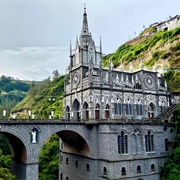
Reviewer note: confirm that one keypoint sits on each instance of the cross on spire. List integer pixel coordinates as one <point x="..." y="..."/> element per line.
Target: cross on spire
<point x="85" y="22"/>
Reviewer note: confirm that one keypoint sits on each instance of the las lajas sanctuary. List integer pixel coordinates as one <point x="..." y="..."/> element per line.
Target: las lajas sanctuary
<point x="123" y="114"/>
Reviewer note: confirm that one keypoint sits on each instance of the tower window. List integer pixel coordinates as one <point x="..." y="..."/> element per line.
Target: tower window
<point x="61" y="177"/>
<point x="67" y="161"/>
<point x="76" y="163"/>
<point x="105" y="171"/>
<point x="166" y="144"/>
<point x="122" y="143"/>
<point x="149" y="140"/>
<point x="87" y="167"/>
<point x="138" y="169"/>
<point x="152" y="167"/>
<point x="123" y="171"/>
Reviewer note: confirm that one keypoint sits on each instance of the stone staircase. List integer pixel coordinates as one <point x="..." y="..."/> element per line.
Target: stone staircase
<point x="168" y="112"/>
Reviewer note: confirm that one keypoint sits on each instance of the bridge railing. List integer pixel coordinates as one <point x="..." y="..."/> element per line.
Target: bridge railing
<point x="86" y="121"/>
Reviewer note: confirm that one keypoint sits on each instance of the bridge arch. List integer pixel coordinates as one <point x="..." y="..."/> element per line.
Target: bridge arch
<point x="75" y="140"/>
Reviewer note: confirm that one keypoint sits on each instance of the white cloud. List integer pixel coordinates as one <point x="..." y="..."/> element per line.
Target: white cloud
<point x="33" y="63"/>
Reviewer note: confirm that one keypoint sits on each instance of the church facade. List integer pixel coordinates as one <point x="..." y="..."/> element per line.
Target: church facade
<point x="94" y="92"/>
<point x="115" y="104"/>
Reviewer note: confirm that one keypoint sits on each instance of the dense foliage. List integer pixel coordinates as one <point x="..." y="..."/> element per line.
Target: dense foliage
<point x="127" y="53"/>
<point x="172" y="169"/>
<point x="43" y="98"/>
<point x="5" y="159"/>
<point x="11" y="93"/>
<point x="49" y="159"/>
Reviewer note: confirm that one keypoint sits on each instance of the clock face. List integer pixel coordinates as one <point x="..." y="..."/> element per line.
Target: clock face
<point x="149" y="81"/>
<point x="76" y="78"/>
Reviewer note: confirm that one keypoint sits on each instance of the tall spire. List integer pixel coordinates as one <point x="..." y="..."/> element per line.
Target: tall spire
<point x="85" y="22"/>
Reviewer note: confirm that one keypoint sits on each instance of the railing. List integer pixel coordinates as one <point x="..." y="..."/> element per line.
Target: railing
<point x="80" y="121"/>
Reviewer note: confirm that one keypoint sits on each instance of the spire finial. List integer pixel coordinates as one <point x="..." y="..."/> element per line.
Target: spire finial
<point x="85" y="22"/>
<point x="85" y="8"/>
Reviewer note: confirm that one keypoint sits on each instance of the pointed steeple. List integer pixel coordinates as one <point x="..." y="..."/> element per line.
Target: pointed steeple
<point x="131" y="67"/>
<point x="121" y="66"/>
<point x="77" y="43"/>
<point x="155" y="67"/>
<point x="111" y="65"/>
<point x="141" y="65"/>
<point x="100" y="45"/>
<point x="85" y="29"/>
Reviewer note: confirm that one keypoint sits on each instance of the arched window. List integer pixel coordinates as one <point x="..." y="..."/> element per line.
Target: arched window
<point x="166" y="144"/>
<point x="136" y="143"/>
<point x="76" y="163"/>
<point x="76" y="109"/>
<point x="151" y="109"/>
<point x="122" y="143"/>
<point x="87" y="167"/>
<point x="152" y="167"/>
<point x="67" y="178"/>
<point x="107" y="111"/>
<point x="105" y="171"/>
<point x="117" y="107"/>
<point x="123" y="171"/>
<point x="67" y="113"/>
<point x="149" y="140"/>
<point x="61" y="176"/>
<point x="139" y="107"/>
<point x="85" y="113"/>
<point x="61" y="158"/>
<point x="129" y="110"/>
<point x="162" y="105"/>
<point x="67" y="161"/>
<point x="97" y="111"/>
<point x="138" y="169"/>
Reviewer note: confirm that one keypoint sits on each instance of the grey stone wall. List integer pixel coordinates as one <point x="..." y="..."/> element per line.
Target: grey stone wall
<point x="108" y="157"/>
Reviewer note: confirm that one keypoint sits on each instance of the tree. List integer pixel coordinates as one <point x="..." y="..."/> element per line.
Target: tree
<point x="55" y="73"/>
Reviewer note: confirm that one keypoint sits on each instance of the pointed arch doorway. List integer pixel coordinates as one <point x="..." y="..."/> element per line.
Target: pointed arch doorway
<point x="85" y="111"/>
<point x="76" y="109"/>
<point x="97" y="112"/>
<point x="67" y="113"/>
<point x="151" y="109"/>
<point x="107" y="111"/>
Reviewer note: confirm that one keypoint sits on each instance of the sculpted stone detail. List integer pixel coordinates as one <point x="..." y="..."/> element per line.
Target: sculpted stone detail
<point x="34" y="134"/>
<point x="149" y="81"/>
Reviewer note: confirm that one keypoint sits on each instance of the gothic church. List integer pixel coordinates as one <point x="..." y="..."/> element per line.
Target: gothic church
<point x="118" y="108"/>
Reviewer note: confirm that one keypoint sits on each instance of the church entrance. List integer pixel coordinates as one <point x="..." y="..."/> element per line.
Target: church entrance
<point x="107" y="111"/>
<point x="151" y="109"/>
<point x="85" y="114"/>
<point x="97" y="116"/>
<point x="76" y="109"/>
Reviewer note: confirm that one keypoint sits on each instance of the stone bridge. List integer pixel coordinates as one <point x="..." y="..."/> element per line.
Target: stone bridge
<point x="28" y="137"/>
<point x="86" y="139"/>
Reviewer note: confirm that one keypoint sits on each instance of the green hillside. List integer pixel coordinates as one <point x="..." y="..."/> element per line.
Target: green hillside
<point x="41" y="99"/>
<point x="11" y="92"/>
<point x="160" y="47"/>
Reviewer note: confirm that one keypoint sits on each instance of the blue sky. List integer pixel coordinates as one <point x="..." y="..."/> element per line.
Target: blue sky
<point x="35" y="34"/>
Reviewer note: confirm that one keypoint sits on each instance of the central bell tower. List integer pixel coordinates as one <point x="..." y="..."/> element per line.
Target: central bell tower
<point x="85" y="60"/>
